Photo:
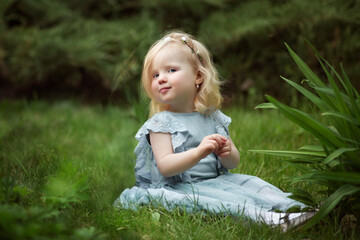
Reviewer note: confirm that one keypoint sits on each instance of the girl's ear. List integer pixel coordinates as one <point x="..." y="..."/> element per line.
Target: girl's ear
<point x="199" y="78"/>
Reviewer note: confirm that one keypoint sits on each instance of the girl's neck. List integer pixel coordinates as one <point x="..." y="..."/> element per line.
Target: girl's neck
<point x="183" y="113"/>
<point x="181" y="109"/>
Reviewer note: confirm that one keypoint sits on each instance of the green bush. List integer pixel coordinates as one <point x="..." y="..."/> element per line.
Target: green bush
<point x="247" y="38"/>
<point x="77" y="54"/>
<point x="73" y="47"/>
<point x="65" y="51"/>
<point x="333" y="164"/>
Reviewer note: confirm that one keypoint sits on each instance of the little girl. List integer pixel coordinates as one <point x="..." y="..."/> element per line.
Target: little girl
<point x="185" y="151"/>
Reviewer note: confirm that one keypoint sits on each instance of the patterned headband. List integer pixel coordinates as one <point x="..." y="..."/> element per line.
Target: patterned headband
<point x="185" y="41"/>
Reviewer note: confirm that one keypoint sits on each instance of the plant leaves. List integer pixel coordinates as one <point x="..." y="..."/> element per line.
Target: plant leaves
<point x="290" y="153"/>
<point x="329" y="178"/>
<point x="320" y="131"/>
<point x="309" y="74"/>
<point x="342" y="116"/>
<point x="302" y="196"/>
<point x="346" y="177"/>
<point x="321" y="104"/>
<point x="317" y="148"/>
<point x="337" y="153"/>
<point x="265" y="106"/>
<point x="330" y="203"/>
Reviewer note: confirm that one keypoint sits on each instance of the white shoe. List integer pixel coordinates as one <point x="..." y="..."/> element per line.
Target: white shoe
<point x="296" y="221"/>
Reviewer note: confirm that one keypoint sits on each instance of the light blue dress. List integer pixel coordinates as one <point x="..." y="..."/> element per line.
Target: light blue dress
<point x="208" y="186"/>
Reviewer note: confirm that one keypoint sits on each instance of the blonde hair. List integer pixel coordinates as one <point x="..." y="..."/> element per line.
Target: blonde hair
<point x="208" y="98"/>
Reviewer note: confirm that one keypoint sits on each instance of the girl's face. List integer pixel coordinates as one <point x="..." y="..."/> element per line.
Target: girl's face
<point x="174" y="79"/>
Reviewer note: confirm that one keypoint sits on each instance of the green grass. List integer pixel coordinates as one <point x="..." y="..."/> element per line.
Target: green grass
<point x="63" y="164"/>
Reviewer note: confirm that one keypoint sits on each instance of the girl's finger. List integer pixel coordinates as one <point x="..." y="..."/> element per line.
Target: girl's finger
<point x="215" y="138"/>
<point x="215" y="144"/>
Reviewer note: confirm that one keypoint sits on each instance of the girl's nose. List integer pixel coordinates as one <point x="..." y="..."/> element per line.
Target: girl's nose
<point x="162" y="79"/>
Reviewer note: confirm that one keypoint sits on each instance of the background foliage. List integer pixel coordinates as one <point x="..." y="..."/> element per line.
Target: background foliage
<point x="94" y="49"/>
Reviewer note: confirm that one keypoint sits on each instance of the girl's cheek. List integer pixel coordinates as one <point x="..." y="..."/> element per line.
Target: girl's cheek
<point x="153" y="85"/>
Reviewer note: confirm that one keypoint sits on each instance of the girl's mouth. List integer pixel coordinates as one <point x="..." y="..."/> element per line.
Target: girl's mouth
<point x="164" y="89"/>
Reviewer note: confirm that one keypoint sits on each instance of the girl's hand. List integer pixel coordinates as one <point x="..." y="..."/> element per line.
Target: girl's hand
<point x="225" y="150"/>
<point x="210" y="144"/>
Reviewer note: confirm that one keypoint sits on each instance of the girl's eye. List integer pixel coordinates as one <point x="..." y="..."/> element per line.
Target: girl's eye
<point x="172" y="70"/>
<point x="155" y="75"/>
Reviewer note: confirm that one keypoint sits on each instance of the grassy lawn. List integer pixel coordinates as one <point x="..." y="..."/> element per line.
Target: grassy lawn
<point x="63" y="164"/>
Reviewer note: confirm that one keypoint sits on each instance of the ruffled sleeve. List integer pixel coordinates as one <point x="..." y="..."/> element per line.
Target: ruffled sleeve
<point x="222" y="123"/>
<point x="146" y="171"/>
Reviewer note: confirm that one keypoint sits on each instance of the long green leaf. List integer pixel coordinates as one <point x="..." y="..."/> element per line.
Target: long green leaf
<point x="323" y="133"/>
<point x="317" y="148"/>
<point x="329" y="178"/>
<point x="346" y="82"/>
<point x="349" y="85"/>
<point x="341" y="177"/>
<point x="302" y="192"/>
<point x="309" y="74"/>
<point x="311" y="179"/>
<point x="354" y="104"/>
<point x="291" y="153"/>
<point x="342" y="116"/>
<point x="344" y="127"/>
<point x="339" y="101"/>
<point x="265" y="106"/>
<point x="349" y="141"/>
<point x="298" y="157"/>
<point x="330" y="92"/>
<point x="330" y="203"/>
<point x="336" y="154"/>
<point x="351" y="90"/>
<point x="302" y="199"/>
<point x="321" y="104"/>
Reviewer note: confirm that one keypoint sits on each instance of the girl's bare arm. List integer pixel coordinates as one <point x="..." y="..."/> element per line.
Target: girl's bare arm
<point x="170" y="163"/>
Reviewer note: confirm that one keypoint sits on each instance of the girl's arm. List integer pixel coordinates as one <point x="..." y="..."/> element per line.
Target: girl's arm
<point x="229" y="155"/>
<point x="170" y="163"/>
